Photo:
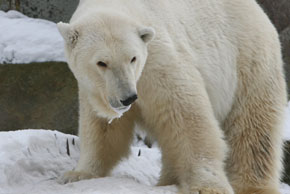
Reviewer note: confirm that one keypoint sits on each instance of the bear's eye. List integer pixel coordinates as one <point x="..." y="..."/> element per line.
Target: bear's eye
<point x="133" y="60"/>
<point x="102" y="64"/>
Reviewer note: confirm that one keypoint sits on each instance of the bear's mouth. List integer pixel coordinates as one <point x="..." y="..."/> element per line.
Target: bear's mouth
<point x="120" y="111"/>
<point x="121" y="108"/>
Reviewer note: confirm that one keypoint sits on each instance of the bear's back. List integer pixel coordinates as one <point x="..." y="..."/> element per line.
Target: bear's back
<point x="213" y="35"/>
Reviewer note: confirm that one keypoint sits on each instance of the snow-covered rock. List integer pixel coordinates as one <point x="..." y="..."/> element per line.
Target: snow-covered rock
<point x="26" y="40"/>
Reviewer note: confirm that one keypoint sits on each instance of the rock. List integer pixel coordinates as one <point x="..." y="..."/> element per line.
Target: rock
<point x="279" y="13"/>
<point x="38" y="96"/>
<point x="54" y="10"/>
<point x="285" y="40"/>
<point x="286" y="177"/>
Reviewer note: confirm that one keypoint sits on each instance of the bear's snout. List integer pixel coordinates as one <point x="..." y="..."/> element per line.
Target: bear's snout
<point x="129" y="100"/>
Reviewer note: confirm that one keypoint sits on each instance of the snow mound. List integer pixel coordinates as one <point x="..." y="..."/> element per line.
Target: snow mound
<point x="26" y="40"/>
<point x="32" y="160"/>
<point x="286" y="131"/>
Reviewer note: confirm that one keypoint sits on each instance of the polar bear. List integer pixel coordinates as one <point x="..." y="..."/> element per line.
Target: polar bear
<point x="205" y="79"/>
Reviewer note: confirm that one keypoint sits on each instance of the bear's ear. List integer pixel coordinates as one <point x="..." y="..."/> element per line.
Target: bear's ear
<point x="69" y="34"/>
<point x="146" y="34"/>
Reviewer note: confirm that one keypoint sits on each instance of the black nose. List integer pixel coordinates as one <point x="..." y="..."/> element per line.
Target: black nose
<point x="129" y="100"/>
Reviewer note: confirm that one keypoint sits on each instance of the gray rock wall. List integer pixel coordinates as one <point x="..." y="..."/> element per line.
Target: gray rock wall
<point x="286" y="174"/>
<point x="279" y="13"/>
<point x="54" y="10"/>
<point x="38" y="96"/>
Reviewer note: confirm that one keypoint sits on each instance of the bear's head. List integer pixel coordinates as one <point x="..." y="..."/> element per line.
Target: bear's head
<point x="107" y="53"/>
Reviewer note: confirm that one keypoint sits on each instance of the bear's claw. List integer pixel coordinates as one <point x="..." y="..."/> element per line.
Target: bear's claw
<point x="207" y="191"/>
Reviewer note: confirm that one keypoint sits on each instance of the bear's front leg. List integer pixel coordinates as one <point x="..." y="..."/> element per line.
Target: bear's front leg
<point x="101" y="144"/>
<point x="192" y="143"/>
<point x="193" y="149"/>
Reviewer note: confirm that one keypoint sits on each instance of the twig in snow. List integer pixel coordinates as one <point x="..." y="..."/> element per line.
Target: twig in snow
<point x="67" y="147"/>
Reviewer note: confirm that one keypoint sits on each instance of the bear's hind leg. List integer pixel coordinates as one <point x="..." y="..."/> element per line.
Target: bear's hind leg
<point x="260" y="191"/>
<point x="253" y="132"/>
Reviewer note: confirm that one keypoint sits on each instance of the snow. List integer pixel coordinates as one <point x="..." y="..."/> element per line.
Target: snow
<point x="32" y="160"/>
<point x="285" y="189"/>
<point x="26" y="40"/>
<point x="286" y="132"/>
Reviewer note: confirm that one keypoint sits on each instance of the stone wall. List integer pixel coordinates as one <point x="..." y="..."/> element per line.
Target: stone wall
<point x="38" y="96"/>
<point x="279" y="13"/>
<point x="54" y="10"/>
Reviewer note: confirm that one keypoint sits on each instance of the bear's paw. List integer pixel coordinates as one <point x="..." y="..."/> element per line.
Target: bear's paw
<point x="208" y="191"/>
<point x="74" y="176"/>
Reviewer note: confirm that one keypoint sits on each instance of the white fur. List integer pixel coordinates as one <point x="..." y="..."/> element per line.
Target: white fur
<point x="204" y="69"/>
